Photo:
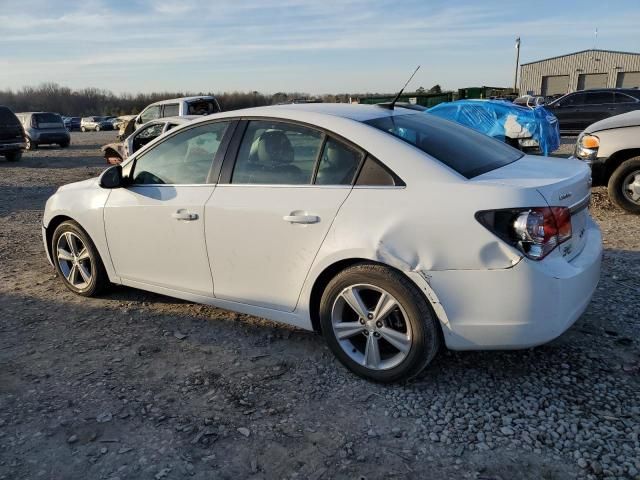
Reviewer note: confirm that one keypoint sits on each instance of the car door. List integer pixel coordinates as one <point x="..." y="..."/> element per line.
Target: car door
<point x="155" y="226"/>
<point x="597" y="106"/>
<point x="568" y="111"/>
<point x="280" y="188"/>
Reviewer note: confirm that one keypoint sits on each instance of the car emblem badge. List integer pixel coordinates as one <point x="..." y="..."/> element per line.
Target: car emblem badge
<point x="565" y="195"/>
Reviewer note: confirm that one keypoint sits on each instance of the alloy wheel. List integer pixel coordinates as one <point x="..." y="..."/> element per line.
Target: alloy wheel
<point x="631" y="187"/>
<point x="74" y="260"/>
<point x="371" y="326"/>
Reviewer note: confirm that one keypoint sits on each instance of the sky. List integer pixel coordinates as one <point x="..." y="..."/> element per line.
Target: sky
<point x="313" y="46"/>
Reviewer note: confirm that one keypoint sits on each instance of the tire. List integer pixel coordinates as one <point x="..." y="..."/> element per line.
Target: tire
<point x="64" y="144"/>
<point x="29" y="145"/>
<point x="97" y="128"/>
<point x="13" y="156"/>
<point x="624" y="185"/>
<point x="411" y="320"/>
<point x="92" y="264"/>
<point x="83" y="129"/>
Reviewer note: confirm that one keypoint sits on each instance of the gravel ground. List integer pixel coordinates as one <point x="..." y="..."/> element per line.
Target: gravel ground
<point x="140" y="386"/>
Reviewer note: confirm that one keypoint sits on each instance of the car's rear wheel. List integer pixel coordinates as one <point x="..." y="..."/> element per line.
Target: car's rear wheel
<point x="97" y="128"/>
<point x="83" y="129"/>
<point x="77" y="261"/>
<point x="13" y="156"/>
<point x="624" y="185"/>
<point x="378" y="324"/>
<point x="29" y="145"/>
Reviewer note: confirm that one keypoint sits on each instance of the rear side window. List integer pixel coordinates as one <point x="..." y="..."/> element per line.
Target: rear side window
<point x="338" y="164"/>
<point x="171" y="110"/>
<point x="464" y="150"/>
<point x="373" y="173"/>
<point x="277" y="153"/>
<point x="597" y="98"/>
<point x="7" y="117"/>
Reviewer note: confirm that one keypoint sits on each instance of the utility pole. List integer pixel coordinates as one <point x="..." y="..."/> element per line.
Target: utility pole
<point x="515" y="81"/>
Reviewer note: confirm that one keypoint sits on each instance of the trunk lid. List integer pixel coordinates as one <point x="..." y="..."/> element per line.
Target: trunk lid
<point x="562" y="182"/>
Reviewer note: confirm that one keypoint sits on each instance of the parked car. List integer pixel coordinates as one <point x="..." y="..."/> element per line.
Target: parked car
<point x="530" y="101"/>
<point x="115" y="153"/>
<point x="576" y="111"/>
<point x="520" y="127"/>
<point x="612" y="148"/>
<point x="44" y="128"/>
<point x="391" y="231"/>
<point x="71" y="123"/>
<point x="95" y="123"/>
<point x="178" y="107"/>
<point x="12" y="138"/>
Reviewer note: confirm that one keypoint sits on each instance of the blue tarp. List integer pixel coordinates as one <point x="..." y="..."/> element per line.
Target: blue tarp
<point x="500" y="119"/>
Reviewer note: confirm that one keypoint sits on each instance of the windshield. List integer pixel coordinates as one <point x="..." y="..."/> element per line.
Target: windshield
<point x="464" y="150"/>
<point x="202" y="107"/>
<point x="48" y="120"/>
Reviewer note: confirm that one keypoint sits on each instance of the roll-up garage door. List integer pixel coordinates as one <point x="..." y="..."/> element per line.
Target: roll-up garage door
<point x="628" y="80"/>
<point x="592" y="80"/>
<point x="554" y="84"/>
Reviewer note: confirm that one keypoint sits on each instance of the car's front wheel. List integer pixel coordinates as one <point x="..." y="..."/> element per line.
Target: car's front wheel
<point x="378" y="324"/>
<point x="83" y="129"/>
<point x="29" y="145"/>
<point x="77" y="261"/>
<point x="624" y="185"/>
<point x="97" y="128"/>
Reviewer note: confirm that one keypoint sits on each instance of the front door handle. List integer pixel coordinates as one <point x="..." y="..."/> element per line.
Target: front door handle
<point x="305" y="219"/>
<point x="184" y="215"/>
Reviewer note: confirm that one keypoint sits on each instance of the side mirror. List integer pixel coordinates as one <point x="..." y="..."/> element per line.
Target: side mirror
<point x="112" y="177"/>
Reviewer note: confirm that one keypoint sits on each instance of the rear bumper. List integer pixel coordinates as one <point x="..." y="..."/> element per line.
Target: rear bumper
<point x="12" y="147"/>
<point x="57" y="137"/>
<point x="519" y="307"/>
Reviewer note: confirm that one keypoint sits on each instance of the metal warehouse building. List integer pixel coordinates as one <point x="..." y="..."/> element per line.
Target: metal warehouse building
<point x="579" y="71"/>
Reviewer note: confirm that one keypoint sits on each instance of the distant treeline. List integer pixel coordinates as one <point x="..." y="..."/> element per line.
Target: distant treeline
<point x="51" y="97"/>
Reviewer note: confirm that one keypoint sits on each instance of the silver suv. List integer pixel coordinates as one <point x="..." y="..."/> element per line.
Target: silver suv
<point x="43" y="128"/>
<point x="96" y="124"/>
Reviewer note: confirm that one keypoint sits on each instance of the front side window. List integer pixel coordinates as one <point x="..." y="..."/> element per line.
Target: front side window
<point x="184" y="158"/>
<point x="573" y="100"/>
<point x="152" y="131"/>
<point x="277" y="153"/>
<point x="150" y="113"/>
<point x="464" y="150"/>
<point x="338" y="164"/>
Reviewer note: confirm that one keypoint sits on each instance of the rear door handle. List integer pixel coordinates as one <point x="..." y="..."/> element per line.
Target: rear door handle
<point x="184" y="215"/>
<point x="301" y="218"/>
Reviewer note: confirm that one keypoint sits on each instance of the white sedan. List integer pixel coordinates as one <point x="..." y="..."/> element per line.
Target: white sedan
<point x="390" y="231"/>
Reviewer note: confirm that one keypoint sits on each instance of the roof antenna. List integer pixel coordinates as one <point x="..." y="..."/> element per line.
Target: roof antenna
<point x="393" y="102"/>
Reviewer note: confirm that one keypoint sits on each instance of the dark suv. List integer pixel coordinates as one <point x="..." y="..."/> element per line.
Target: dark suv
<point x="576" y="111"/>
<point x="12" y="140"/>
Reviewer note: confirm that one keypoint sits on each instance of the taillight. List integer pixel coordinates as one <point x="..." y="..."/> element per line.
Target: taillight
<point x="534" y="231"/>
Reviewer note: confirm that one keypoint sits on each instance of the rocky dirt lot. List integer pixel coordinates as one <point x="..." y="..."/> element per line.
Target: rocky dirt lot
<point x="139" y="386"/>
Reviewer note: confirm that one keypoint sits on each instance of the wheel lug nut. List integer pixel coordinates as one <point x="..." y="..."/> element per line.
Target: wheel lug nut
<point x="366" y="333"/>
<point x="379" y="324"/>
<point x="376" y="334"/>
<point x="370" y="316"/>
<point x="362" y="321"/>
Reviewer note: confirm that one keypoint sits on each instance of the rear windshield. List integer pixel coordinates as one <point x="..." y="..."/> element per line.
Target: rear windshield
<point x="7" y="117"/>
<point x="202" y="107"/>
<point x="464" y="150"/>
<point x="47" y="120"/>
